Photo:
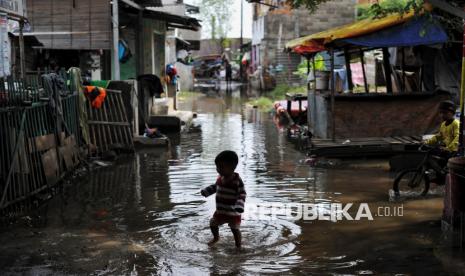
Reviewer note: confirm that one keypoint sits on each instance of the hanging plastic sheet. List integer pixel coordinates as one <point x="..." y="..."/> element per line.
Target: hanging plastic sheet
<point x="418" y="31"/>
<point x="359" y="28"/>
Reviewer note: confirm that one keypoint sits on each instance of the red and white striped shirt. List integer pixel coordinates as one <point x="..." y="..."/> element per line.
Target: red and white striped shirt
<point x="230" y="196"/>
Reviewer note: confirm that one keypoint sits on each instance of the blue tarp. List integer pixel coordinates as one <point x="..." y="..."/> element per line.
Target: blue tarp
<point x="418" y="31"/>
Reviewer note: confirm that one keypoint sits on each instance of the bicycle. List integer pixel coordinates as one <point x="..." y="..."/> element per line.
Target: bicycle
<point x="418" y="179"/>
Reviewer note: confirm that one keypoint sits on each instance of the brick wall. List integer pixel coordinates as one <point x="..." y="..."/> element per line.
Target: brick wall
<point x="282" y="26"/>
<point x="299" y="23"/>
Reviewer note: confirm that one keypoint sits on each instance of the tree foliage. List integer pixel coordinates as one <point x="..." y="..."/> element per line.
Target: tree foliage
<point x="311" y="5"/>
<point x="383" y="8"/>
<point x="452" y="24"/>
<point x="216" y="15"/>
<point x="379" y="9"/>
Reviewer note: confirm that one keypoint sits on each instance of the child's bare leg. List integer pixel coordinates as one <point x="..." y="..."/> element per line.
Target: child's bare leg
<point x="237" y="237"/>
<point x="216" y="235"/>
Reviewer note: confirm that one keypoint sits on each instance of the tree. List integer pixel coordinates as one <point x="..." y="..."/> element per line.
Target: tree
<point x="378" y="9"/>
<point x="382" y="8"/>
<point x="216" y="14"/>
<point x="311" y="5"/>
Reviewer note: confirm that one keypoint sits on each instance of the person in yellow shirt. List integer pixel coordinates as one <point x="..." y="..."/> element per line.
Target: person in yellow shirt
<point x="447" y="139"/>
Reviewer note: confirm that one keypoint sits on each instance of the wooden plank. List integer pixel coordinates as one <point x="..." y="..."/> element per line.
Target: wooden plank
<point x="91" y="17"/>
<point x="369" y="146"/>
<point x="418" y="139"/>
<point x="391" y="140"/>
<point x="407" y="138"/>
<point x="42" y="143"/>
<point x="399" y="139"/>
<point x="404" y="140"/>
<point x="114" y="116"/>
<point x="50" y="166"/>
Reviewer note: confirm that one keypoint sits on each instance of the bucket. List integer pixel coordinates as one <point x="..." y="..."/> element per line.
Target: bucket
<point x="322" y="80"/>
<point x="456" y="167"/>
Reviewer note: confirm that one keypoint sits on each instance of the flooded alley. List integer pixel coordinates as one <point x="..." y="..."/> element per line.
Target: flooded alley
<point x="144" y="215"/>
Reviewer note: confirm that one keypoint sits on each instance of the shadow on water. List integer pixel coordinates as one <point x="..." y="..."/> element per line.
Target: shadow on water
<point x="144" y="215"/>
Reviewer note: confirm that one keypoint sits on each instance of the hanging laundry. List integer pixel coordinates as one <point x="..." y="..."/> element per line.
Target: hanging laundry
<point x="96" y="95"/>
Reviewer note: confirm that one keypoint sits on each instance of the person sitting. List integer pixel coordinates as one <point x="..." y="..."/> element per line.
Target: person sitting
<point x="447" y="139"/>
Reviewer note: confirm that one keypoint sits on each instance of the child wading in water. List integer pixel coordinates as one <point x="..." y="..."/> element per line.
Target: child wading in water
<point x="230" y="197"/>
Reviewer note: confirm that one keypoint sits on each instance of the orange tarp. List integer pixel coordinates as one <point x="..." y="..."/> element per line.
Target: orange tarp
<point x="316" y="42"/>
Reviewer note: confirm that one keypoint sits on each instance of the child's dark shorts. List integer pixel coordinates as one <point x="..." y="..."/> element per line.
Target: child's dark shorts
<point x="234" y="222"/>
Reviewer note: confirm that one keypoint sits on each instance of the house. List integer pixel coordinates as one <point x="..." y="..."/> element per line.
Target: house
<point x="178" y="7"/>
<point x="180" y="41"/>
<point x="215" y="47"/>
<point x="412" y="83"/>
<point x="274" y="24"/>
<point x="80" y="35"/>
<point x="12" y="17"/>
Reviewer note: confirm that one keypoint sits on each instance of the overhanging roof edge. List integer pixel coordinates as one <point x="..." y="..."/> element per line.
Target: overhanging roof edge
<point x="186" y="21"/>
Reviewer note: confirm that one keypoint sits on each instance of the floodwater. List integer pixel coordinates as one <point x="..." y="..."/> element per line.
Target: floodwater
<point x="144" y="215"/>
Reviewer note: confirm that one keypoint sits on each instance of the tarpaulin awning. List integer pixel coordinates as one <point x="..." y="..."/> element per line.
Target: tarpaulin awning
<point x="359" y="28"/>
<point x="418" y="31"/>
<point x="305" y="49"/>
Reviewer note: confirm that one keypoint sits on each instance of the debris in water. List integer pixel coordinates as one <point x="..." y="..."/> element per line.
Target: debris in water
<point x="102" y="163"/>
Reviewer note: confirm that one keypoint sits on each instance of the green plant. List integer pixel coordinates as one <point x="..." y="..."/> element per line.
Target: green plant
<point x="311" y="5"/>
<point x="379" y="9"/>
<point x="386" y="7"/>
<point x="303" y="66"/>
<point x="278" y="93"/>
<point x="187" y="94"/>
<point x="262" y="103"/>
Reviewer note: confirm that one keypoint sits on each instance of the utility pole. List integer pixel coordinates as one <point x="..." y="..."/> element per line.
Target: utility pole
<point x="116" y="68"/>
<point x="242" y="42"/>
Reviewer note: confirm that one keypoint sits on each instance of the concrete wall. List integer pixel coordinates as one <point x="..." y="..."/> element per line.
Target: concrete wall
<point x="377" y="115"/>
<point x="258" y="30"/>
<point x="213" y="46"/>
<point x="128" y="69"/>
<point x="153" y="53"/>
<point x="186" y="77"/>
<point x="154" y="46"/>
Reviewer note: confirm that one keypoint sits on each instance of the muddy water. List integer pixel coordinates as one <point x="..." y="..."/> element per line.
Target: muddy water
<point x="144" y="215"/>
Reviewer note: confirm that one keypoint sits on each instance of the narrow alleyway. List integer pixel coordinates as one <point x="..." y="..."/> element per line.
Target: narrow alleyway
<point x="145" y="214"/>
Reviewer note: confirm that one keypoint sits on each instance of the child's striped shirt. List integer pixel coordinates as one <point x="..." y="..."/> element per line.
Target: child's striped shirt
<point x="230" y="196"/>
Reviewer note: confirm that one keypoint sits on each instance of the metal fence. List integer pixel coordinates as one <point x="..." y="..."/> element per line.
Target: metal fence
<point x="39" y="139"/>
<point x="19" y="92"/>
